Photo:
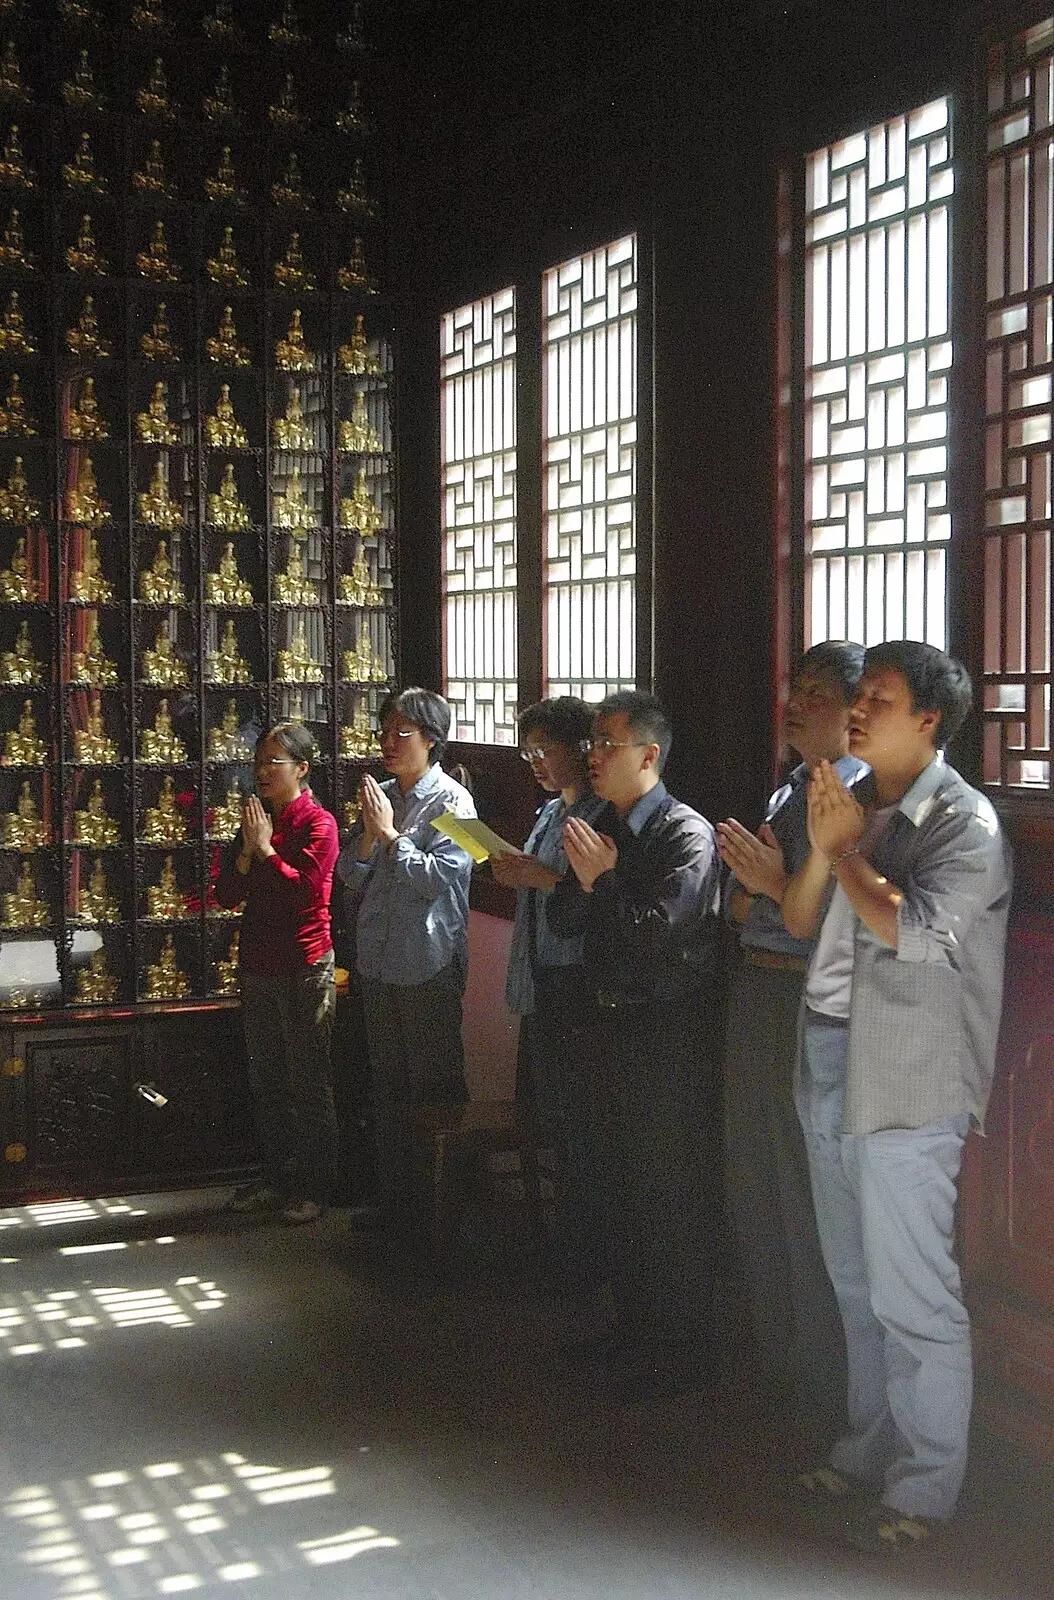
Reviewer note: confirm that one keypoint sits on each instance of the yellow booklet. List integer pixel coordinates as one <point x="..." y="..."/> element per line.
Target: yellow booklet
<point x="473" y="836"/>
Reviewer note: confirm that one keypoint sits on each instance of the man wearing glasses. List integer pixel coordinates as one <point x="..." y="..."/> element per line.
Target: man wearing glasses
<point x="642" y="892"/>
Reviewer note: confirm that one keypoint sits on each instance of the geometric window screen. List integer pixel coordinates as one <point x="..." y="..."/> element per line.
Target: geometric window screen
<point x="589" y="443"/>
<point x="478" y="465"/>
<point x="1020" y="349"/>
<point x="877" y="360"/>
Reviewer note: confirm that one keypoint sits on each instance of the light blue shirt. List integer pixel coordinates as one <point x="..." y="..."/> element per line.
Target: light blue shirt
<point x="410" y="902"/>
<point x="546" y="842"/>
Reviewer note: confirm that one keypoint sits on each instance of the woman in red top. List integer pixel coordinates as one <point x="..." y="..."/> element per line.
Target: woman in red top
<point x="283" y="873"/>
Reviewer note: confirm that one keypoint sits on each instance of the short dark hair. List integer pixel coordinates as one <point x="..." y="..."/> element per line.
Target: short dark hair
<point x="563" y="718"/>
<point x="295" y="740"/>
<point x="427" y="711"/>
<point x="936" y="681"/>
<point x="647" y="719"/>
<point x="840" y="660"/>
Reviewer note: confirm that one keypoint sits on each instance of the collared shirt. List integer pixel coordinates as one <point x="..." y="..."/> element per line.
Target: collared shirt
<point x="924" y="1018"/>
<point x="546" y="842"/>
<point x="650" y="924"/>
<point x="763" y="927"/>
<point x="286" y="922"/>
<point x="410" y="902"/>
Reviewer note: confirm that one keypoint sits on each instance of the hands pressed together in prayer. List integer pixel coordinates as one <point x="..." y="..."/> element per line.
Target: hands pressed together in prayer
<point x="836" y="819"/>
<point x="377" y="816"/>
<point x="755" y="858"/>
<point x="589" y="853"/>
<point x="257" y="829"/>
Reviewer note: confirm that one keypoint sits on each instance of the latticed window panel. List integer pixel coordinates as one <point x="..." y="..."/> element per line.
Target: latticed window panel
<point x="877" y="362"/>
<point x="589" y="468"/>
<point x="478" y="388"/>
<point x="1020" y="350"/>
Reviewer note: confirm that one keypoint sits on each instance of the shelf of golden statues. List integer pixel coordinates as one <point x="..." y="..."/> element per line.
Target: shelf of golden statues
<point x="288" y="190"/>
<point x="355" y="358"/>
<point x="15" y="421"/>
<point x="94" y="901"/>
<point x="225" y="971"/>
<point x="227" y="664"/>
<point x="87" y="585"/>
<point x="225" y="586"/>
<point x="80" y="173"/>
<point x="153" y="425"/>
<point x="284" y="113"/>
<point x="22" y="907"/>
<point x="85" y="256"/>
<point x="85" y="420"/>
<point x="161" y="746"/>
<point x="296" y="663"/>
<point x="155" y="506"/>
<point x="15" y="338"/>
<point x="363" y="664"/>
<point x="13" y="252"/>
<point x="150" y="177"/>
<point x="165" y="901"/>
<point x="16" y="586"/>
<point x="225" y="820"/>
<point x="79" y="91"/>
<point x="19" y="665"/>
<point x="355" y="275"/>
<point x="84" y="339"/>
<point x="354" y="197"/>
<point x="16" y="502"/>
<point x="94" y="826"/>
<point x="226" y="743"/>
<point x="161" y="667"/>
<point x="290" y="510"/>
<point x="153" y="99"/>
<point x="219" y="105"/>
<point x="158" y="344"/>
<point x="357" y="435"/>
<point x="223" y="186"/>
<point x="223" y="431"/>
<point x="92" y="744"/>
<point x="224" y="347"/>
<point x="165" y="823"/>
<point x="223" y="268"/>
<point x="91" y="665"/>
<point x="158" y="583"/>
<point x="359" y="512"/>
<point x="95" y="983"/>
<point x="292" y="431"/>
<point x="155" y="262"/>
<point x="226" y="508"/>
<point x="11" y="84"/>
<point x="24" y="828"/>
<point x="23" y="747"/>
<point x="292" y="587"/>
<point x="164" y="979"/>
<point x="85" y="504"/>
<point x="357" y="588"/>
<point x="291" y="354"/>
<point x="292" y="273"/>
<point x="15" y="171"/>
<point x="359" y="741"/>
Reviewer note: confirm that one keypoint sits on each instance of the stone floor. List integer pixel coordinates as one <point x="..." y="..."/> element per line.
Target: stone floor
<point x="192" y="1404"/>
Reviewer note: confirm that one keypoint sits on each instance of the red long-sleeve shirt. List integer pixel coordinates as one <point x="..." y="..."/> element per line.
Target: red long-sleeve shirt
<point x="286" y="921"/>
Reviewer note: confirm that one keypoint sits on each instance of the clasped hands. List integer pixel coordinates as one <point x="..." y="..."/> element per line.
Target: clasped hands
<point x="836" y="823"/>
<point x="257" y="828"/>
<point x="589" y="853"/>
<point x="376" y="816"/>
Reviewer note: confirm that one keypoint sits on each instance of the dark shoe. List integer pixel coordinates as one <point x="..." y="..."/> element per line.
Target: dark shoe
<point x="881" y="1530"/>
<point x="296" y="1212"/>
<point x="257" y="1196"/>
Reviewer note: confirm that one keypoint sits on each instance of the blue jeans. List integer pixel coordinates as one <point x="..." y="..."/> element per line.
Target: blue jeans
<point x="885" y="1210"/>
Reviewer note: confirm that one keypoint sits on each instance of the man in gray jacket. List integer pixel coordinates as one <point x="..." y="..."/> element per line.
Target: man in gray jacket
<point x="902" y="1004"/>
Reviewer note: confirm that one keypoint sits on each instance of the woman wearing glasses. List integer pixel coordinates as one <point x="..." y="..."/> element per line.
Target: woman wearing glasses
<point x="406" y="894"/>
<point x="282" y="872"/>
<point x="545" y="986"/>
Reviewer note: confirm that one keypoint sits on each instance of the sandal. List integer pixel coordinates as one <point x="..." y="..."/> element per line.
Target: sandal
<point x="882" y="1529"/>
<point x="826" y="1483"/>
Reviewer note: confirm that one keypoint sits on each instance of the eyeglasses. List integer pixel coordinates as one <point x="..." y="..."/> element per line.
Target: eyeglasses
<point x="534" y="753"/>
<point x="604" y="746"/>
<point x="400" y="733"/>
<point x="274" y="761"/>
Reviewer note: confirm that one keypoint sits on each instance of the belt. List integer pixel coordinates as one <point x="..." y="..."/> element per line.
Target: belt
<point x="782" y="960"/>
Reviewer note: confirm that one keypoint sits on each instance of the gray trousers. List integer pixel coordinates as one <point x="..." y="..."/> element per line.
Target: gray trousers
<point x="413" y="1034"/>
<point x="288" y="1020"/>
<point x="885" y="1207"/>
<point x="797" y="1327"/>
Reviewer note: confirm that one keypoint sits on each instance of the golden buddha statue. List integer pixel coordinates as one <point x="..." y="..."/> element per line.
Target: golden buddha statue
<point x="225" y="743"/>
<point x="13" y="336"/>
<point x="158" y="584"/>
<point x="94" y="826"/>
<point x="84" y="340"/>
<point x="223" y="431"/>
<point x="16" y="502"/>
<point x="225" y="586"/>
<point x="94" y="902"/>
<point x="80" y="91"/>
<point x="356" y="357"/>
<point x="227" y="664"/>
<point x="359" y="512"/>
<point x="225" y="979"/>
<point x="292" y="587"/>
<point x="14" y="169"/>
<point x="292" y="272"/>
<point x="225" y="820"/>
<point x="357" y="434"/>
<point x="223" y="268"/>
<point x="164" y="979"/>
<point x="96" y="984"/>
<point x="86" y="582"/>
<point x="21" y="907"/>
<point x="24" y="828"/>
<point x="224" y="185"/>
<point x="153" y="426"/>
<point x="148" y="16"/>
<point x="355" y="274"/>
<point x="356" y="588"/>
<point x="153" y="101"/>
<point x="85" y="255"/>
<point x="290" y="510"/>
<point x="351" y="118"/>
<point x="284" y="113"/>
<point x="353" y="37"/>
<point x="84" y="420"/>
<point x="294" y="711"/>
<point x="165" y="902"/>
<point x="15" y="420"/>
<point x="288" y="190"/>
<point x="292" y="432"/>
<point x="161" y="746"/>
<point x="13" y="251"/>
<point x="84" y="504"/>
<point x="219" y="23"/>
<point x="162" y="668"/>
<point x="16" y="586"/>
<point x="287" y="30"/>
<point x="156" y="508"/>
<point x="158" y="344"/>
<point x="150" y="177"/>
<point x="360" y="741"/>
<point x="155" y="262"/>
<point x="352" y="810"/>
<point x="19" y="665"/>
<point x="165" y="823"/>
<point x="80" y="173"/>
<point x="23" y="747"/>
<point x="296" y="663"/>
<point x="291" y="353"/>
<point x="223" y="347"/>
<point x="91" y="664"/>
<point x="219" y="105"/>
<point x="11" y="85"/>
<point x="93" y="745"/>
<point x="355" y="197"/>
<point x="226" y="508"/>
<point x="363" y="664"/>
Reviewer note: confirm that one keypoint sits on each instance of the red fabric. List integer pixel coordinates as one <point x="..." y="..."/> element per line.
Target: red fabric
<point x="285" y="926"/>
